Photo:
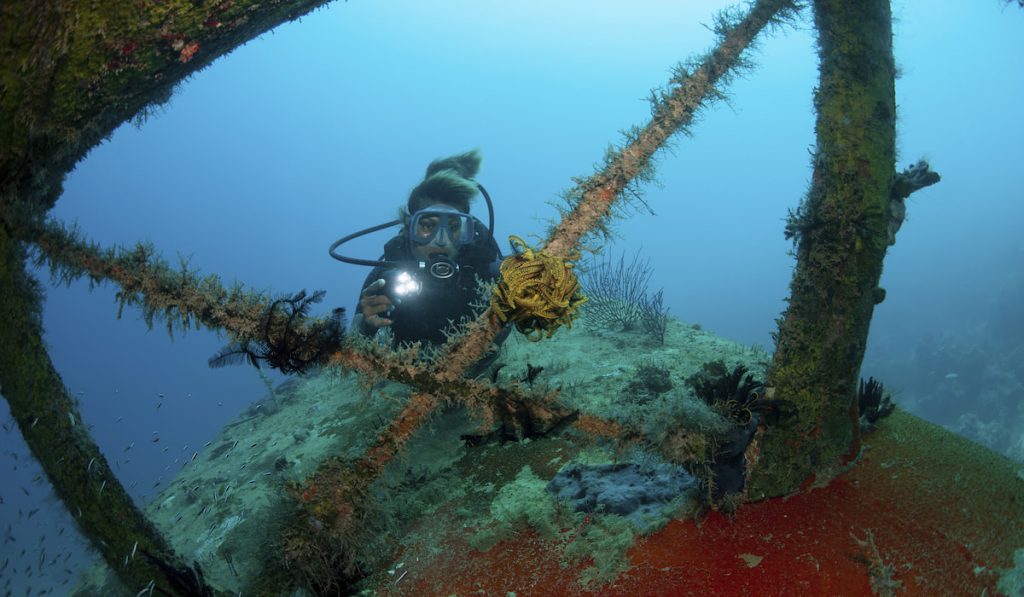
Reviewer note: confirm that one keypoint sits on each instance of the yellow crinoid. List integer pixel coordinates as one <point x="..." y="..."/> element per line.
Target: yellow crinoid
<point x="537" y="291"/>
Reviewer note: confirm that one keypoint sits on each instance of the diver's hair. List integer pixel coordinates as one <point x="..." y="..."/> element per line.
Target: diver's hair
<point x="466" y="165"/>
<point x="449" y="181"/>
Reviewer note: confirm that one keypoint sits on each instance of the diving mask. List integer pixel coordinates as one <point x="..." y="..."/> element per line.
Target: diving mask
<point x="441" y="226"/>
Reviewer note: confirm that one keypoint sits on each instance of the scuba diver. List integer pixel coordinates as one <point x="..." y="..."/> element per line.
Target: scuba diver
<point x="430" y="271"/>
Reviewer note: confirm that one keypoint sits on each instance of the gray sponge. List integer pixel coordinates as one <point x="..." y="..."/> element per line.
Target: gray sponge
<point x="637" y="493"/>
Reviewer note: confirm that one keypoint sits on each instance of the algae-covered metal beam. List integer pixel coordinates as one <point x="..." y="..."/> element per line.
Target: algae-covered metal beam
<point x="71" y="72"/>
<point x="841" y="235"/>
<point x="52" y="427"/>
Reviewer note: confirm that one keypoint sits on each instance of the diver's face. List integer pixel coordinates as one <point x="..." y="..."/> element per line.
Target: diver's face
<point x="442" y="241"/>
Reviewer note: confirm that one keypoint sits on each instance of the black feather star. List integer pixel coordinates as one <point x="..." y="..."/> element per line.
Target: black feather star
<point x="236" y="354"/>
<point x="873" y="402"/>
<point x="287" y="344"/>
<point x="737" y="395"/>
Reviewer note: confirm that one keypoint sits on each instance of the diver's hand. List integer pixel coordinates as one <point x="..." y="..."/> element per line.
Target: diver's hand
<point x="372" y="305"/>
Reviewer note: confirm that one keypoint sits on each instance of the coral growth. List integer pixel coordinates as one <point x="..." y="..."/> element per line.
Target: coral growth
<point x="650" y="381"/>
<point x="618" y="297"/>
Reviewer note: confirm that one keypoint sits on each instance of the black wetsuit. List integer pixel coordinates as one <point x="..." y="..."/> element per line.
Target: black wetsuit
<point x="425" y="316"/>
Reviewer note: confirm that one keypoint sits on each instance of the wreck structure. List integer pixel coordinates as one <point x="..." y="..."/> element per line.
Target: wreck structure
<point x="73" y="72"/>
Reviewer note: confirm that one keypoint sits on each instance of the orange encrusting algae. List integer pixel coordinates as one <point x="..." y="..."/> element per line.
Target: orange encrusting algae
<point x="922" y="508"/>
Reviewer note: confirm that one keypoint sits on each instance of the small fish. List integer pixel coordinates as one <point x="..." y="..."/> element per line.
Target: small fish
<point x="32" y="512"/>
<point x="130" y="446"/>
<point x="156" y="439"/>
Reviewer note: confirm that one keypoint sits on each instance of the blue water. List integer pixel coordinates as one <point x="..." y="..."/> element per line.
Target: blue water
<point x="322" y="127"/>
